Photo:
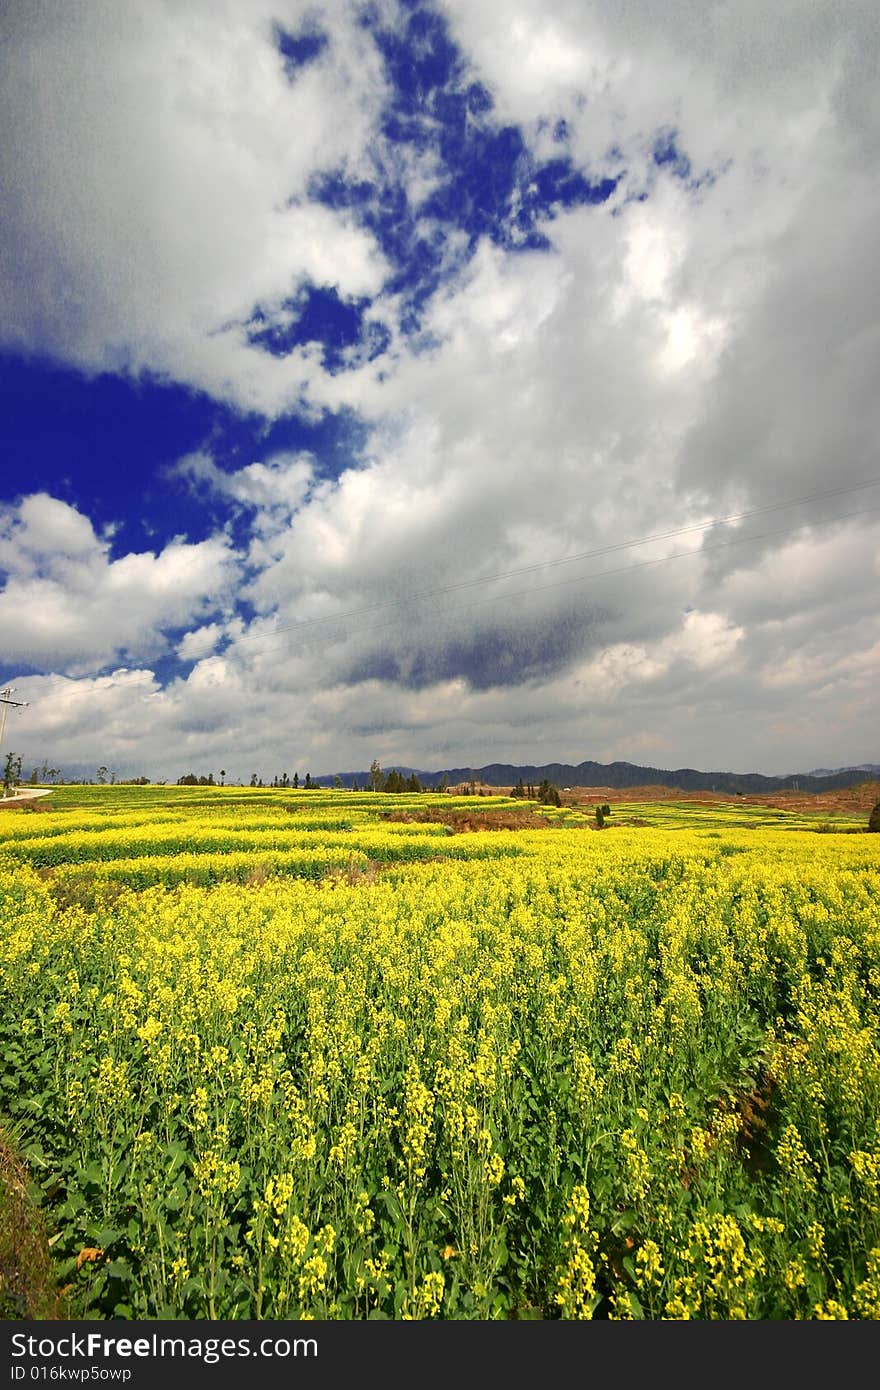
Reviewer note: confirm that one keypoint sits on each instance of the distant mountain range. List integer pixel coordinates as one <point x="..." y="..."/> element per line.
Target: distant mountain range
<point x="869" y="770"/>
<point x="587" y="774"/>
<point x="619" y="775"/>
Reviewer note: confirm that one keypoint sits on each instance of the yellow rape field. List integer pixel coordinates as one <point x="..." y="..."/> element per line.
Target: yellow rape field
<point x="281" y="1058"/>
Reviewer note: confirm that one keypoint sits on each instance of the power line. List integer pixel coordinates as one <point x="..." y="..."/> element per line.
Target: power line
<point x="583" y="579"/>
<point x="266" y="639"/>
<point x="622" y="569"/>
<point x="7" y="702"/>
<point x="300" y="624"/>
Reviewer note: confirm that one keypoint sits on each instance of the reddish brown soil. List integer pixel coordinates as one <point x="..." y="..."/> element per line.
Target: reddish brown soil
<point x="26" y="801"/>
<point x="462" y="820"/>
<point x="844" y="800"/>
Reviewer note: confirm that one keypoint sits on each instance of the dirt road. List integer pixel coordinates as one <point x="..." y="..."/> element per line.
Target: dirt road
<point x="23" y="797"/>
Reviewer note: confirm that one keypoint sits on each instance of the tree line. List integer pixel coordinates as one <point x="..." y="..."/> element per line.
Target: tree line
<point x="547" y="794"/>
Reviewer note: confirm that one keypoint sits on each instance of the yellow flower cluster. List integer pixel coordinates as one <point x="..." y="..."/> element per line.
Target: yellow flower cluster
<point x="628" y="1074"/>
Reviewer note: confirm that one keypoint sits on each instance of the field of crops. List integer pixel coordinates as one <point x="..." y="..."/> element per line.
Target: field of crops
<point x="276" y="1054"/>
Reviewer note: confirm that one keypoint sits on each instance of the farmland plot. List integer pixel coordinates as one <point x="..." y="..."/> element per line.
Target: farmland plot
<point x="272" y="1056"/>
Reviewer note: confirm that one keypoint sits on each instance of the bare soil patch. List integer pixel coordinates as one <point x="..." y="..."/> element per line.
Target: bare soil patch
<point x="462" y="821"/>
<point x="27" y="801"/>
<point x="844" y="800"/>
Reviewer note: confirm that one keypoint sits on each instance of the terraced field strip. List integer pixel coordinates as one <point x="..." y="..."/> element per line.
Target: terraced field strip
<point x="264" y="1066"/>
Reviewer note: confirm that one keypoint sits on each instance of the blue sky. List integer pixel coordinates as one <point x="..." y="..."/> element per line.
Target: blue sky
<point x="351" y="356"/>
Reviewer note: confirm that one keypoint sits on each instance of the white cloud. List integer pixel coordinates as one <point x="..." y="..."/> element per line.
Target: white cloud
<point x="273" y="489"/>
<point x="200" y="642"/>
<point x="154" y="170"/>
<point x="710" y="348"/>
<point x="68" y="605"/>
<point x="45" y="527"/>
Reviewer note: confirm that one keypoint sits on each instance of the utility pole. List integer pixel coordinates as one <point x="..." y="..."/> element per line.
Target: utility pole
<point x="6" y="701"/>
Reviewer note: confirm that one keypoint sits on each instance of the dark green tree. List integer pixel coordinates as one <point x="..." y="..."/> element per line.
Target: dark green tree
<point x="548" y="794"/>
<point x="11" y="773"/>
<point x="874" y="818"/>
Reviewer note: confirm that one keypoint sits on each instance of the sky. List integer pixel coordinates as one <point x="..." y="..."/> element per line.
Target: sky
<point x="441" y="383"/>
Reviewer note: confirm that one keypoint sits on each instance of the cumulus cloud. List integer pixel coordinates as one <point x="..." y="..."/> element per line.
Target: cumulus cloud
<point x="701" y="343"/>
<point x="68" y="605"/>
<point x="270" y="491"/>
<point x="155" y="174"/>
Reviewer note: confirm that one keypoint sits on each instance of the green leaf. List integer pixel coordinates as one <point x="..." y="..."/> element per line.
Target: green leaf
<point x="108" y="1235"/>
